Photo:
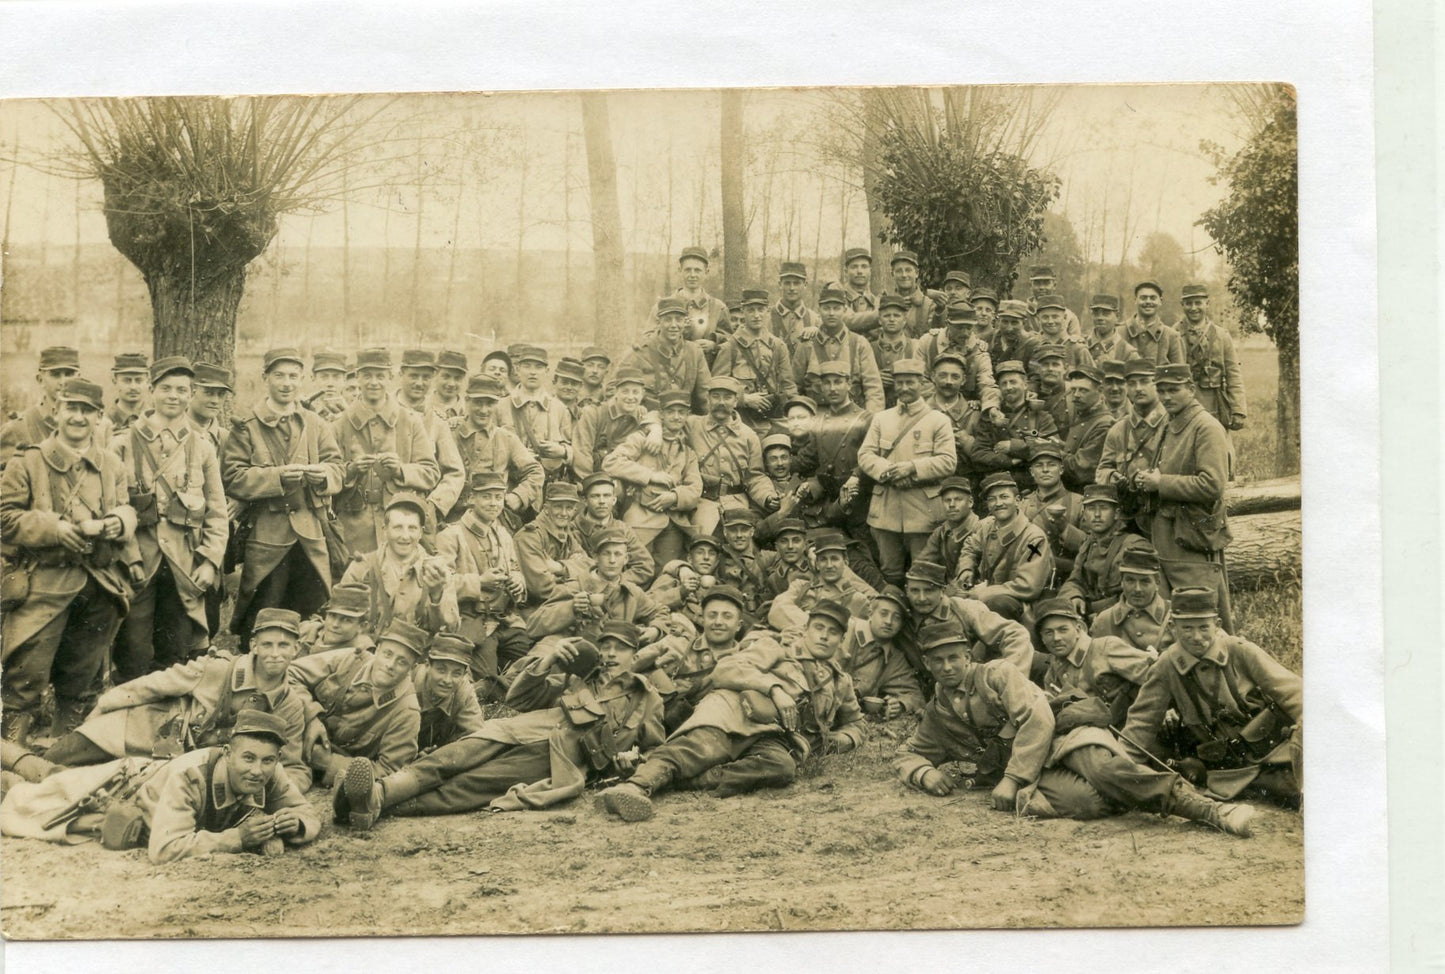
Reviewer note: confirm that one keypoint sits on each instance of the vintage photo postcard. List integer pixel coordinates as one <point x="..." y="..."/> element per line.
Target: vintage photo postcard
<point x="651" y="511"/>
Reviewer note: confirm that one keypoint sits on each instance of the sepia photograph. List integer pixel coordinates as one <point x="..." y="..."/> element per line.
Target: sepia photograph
<point x="651" y="511"/>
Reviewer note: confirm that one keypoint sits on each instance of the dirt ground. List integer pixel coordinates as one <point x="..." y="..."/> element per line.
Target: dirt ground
<point x="846" y="847"/>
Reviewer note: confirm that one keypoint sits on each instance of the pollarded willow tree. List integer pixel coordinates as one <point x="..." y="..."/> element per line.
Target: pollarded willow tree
<point x="195" y="188"/>
<point x="955" y="182"/>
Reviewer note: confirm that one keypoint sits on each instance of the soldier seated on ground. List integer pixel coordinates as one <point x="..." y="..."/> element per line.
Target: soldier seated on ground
<point x="1006" y="563"/>
<point x="832" y="580"/>
<point x="1140" y="614"/>
<point x="195" y="704"/>
<point x="1239" y="709"/>
<point x="1058" y="512"/>
<point x="681" y="584"/>
<point x="341" y="622"/>
<point x="996" y="728"/>
<point x="1094" y="583"/>
<point x="882" y="675"/>
<point x="1088" y="679"/>
<point x="788" y="561"/>
<point x="688" y="664"/>
<point x="586" y="715"/>
<point x="406" y="583"/>
<point x="738" y="562"/>
<point x="771" y="707"/>
<point x="361" y="704"/>
<point x="444" y="692"/>
<point x="603" y="596"/>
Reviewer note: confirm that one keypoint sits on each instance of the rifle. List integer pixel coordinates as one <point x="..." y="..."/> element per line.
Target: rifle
<point x="120" y="786"/>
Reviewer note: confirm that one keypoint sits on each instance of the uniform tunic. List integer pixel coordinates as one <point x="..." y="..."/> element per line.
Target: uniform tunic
<point x="540" y="417"/>
<point x="791" y="607"/>
<point x="946" y="543"/>
<point x="1156" y="343"/>
<point x="1113" y="347"/>
<point x="622" y="601"/>
<point x="362" y="431"/>
<point x="634" y="461"/>
<point x="898" y="436"/>
<point x="789" y="323"/>
<point x="1007" y="447"/>
<point x="30" y="428"/>
<point x="360" y="719"/>
<point x="762" y="364"/>
<point x="878" y="668"/>
<point x="640" y="569"/>
<point x="453" y="481"/>
<point x="705" y="315"/>
<point x="444" y="717"/>
<point x="978" y="380"/>
<point x="1008" y="560"/>
<point x="496" y="449"/>
<point x="1209" y="351"/>
<point x="1095" y="577"/>
<point x="1085" y="445"/>
<point x="600" y="427"/>
<point x="396" y="592"/>
<point x="866" y="384"/>
<point x="887" y="350"/>
<point x="543" y="541"/>
<point x="1141" y="628"/>
<point x="729" y="458"/>
<point x="664" y="369"/>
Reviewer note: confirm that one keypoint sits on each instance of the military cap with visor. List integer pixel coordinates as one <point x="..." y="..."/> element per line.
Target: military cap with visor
<point x="596" y="480"/>
<point x="983" y="294"/>
<point x="1139" y="560"/>
<point x="412" y="638"/>
<point x="794" y="525"/>
<point x="952" y="357"/>
<point x="1010" y="365"/>
<point x="928" y="572"/>
<point x="1193" y="291"/>
<point x="1194" y="603"/>
<point x="1143" y="284"/>
<point x="452" y="648"/>
<point x="409" y="502"/>
<point x="570" y="368"/>
<point x="831" y="295"/>
<point x="909" y="366"/>
<point x="1173" y="373"/>
<point x="1100" y="494"/>
<point x="894" y="594"/>
<point x="286" y="620"/>
<point x="892" y="301"/>
<point x="702" y="540"/>
<point x="962" y="484"/>
<point x="1051" y="300"/>
<point x="1045" y="448"/>
<point x="694" y="253"/>
<point x="485" y="480"/>
<point x="1053" y="608"/>
<point x="1013" y="309"/>
<point x="1051" y="350"/>
<point x="1112" y="368"/>
<point x="958" y="277"/>
<point x="559" y="491"/>
<point x="210" y="376"/>
<point x="940" y="635"/>
<point x="451" y="360"/>
<point x="1107" y="301"/>
<point x="328" y="362"/>
<point x="83" y="392"/>
<point x="904" y="257"/>
<point x="628" y="374"/>
<point x="674" y="397"/>
<point x="671" y="306"/>
<point x="375" y="357"/>
<point x="482" y="386"/>
<point x="626" y="633"/>
<point x="829" y="540"/>
<point x="1085" y="372"/>
<point x="596" y="352"/>
<point x="792" y="268"/>
<point x="1041" y="272"/>
<point x="130" y="362"/>
<point x="857" y="253"/>
<point x="1139" y="366"/>
<point x="832" y="611"/>
<point x="727" y="593"/>
<point x="252" y="722"/>
<point x="350" y="599"/>
<point x="998" y="479"/>
<point x="754" y="297"/>
<point x="725" y="383"/>
<point x="962" y="313"/>
<point x="739" y="515"/>
<point x="418" y="358"/>
<point x="807" y="401"/>
<point x="59" y="357"/>
<point x="286" y="353"/>
<point x="616" y="534"/>
<point x="531" y="353"/>
<point x="774" y="440"/>
<point x="171" y="365"/>
<point x="500" y="355"/>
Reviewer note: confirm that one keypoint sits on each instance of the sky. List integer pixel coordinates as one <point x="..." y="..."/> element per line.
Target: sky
<point x="509" y="170"/>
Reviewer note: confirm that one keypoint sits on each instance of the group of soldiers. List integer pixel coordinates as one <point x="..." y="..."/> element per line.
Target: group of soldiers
<point x="762" y="528"/>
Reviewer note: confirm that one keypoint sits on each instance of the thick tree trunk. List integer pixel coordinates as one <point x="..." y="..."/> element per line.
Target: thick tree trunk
<point x="877" y="219"/>
<point x="735" y="231"/>
<point x="1287" y="415"/>
<point x="196" y="320"/>
<point x="1265" y="549"/>
<point x="608" y="301"/>
<point x="1263" y="497"/>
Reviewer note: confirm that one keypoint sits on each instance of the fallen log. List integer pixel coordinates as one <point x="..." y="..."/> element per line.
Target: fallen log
<point x="1265" y="549"/>
<point x="1262" y="496"/>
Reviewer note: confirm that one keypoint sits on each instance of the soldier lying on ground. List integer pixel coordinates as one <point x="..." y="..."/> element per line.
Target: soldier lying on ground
<point x="882" y="675"/>
<point x="772" y="707"/>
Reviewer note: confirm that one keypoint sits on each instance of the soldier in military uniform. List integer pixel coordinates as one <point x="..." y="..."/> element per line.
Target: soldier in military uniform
<point x="882" y="675"/>
<point x="963" y="414"/>
<point x="1058" y="326"/>
<point x="790" y="316"/>
<point x="385" y="451"/>
<point x="479" y="552"/>
<point x="959" y="520"/>
<point x="567" y="380"/>
<point x="69" y="533"/>
<point x="599" y="502"/>
<point x="195" y="704"/>
<point x="1209" y="352"/>
<point x="1041" y="291"/>
<point x="284" y="464"/>
<point x="360" y="704"/>
<point x="760" y="362"/>
<point x="1132" y="443"/>
<point x="182" y="524"/>
<point x="984" y="301"/>
<point x="1010" y="342"/>
<point x="830" y="581"/>
<point x="787" y="561"/>
<point x="907" y="451"/>
<point x="1004" y="447"/>
<point x="781" y="496"/>
<point x="1146" y="331"/>
<point x="595" y="363"/>
<point x="444" y="692"/>
<point x="990" y="635"/>
<point x="211" y="386"/>
<point x="738" y="565"/>
<point x="486" y="447"/>
<point x="828" y="457"/>
<point x="919" y="307"/>
<point x="1094" y="583"/>
<point x="405" y="581"/>
<point x="1106" y="340"/>
<point x="538" y="417"/>
<point x="328" y="371"/>
<point x="861" y="304"/>
<point x="956" y="339"/>
<point x="418" y="371"/>
<point x="664" y="485"/>
<point x="670" y="361"/>
<point x="1185" y="482"/>
<point x="706" y="316"/>
<point x="1116" y="399"/>
<point x="773" y="706"/>
<point x="341" y="621"/>
<point x="601" y="426"/>
<point x="1140" y="617"/>
<point x="891" y="341"/>
<point x="1006" y="563"/>
<point x="1058" y="512"/>
<point x="1048" y="375"/>
<point x="549" y="553"/>
<point x="1239" y="708"/>
<point x="58" y="365"/>
<point x="835" y="343"/>
<point x="729" y="456"/>
<point x="497" y="366"/>
<point x="585" y="715"/>
<point x="1090" y="423"/>
<point x="447" y="399"/>
<point x="601" y="595"/>
<point x="131" y="376"/>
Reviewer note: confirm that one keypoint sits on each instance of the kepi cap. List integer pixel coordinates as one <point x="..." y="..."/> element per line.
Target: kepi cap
<point x="450" y="647"/>
<point x="283" y="619"/>
<point x="130" y="362"/>
<point x="59" y="357"/>
<point x="251" y="722"/>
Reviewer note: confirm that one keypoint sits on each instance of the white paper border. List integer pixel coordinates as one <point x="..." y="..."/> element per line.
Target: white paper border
<point x="1322" y="46"/>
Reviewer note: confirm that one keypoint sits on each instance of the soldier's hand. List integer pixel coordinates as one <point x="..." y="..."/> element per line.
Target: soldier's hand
<point x="773" y="503"/>
<point x="995" y="416"/>
<point x="649" y="635"/>
<point x="390" y="465"/>
<point x="625" y="762"/>
<point x="1005" y="794"/>
<point x="654" y="439"/>
<point x="965" y="579"/>
<point x="787" y="709"/>
<point x="286" y="822"/>
<point x="91" y="527"/>
<point x="1236" y="422"/>
<point x="663" y="479"/>
<point x="256" y="830"/>
<point x="839" y="742"/>
<point x="808" y="333"/>
<point x="892" y="707"/>
<point x="1080" y="606"/>
<point x="551" y="450"/>
<point x="291" y="476"/>
<point x="314" y="737"/>
<point x="316" y="475"/>
<point x="111" y="527"/>
<point x="137" y="574"/>
<point x="581" y="604"/>
<point x="1147" y="480"/>
<point x="433" y="577"/>
<point x="234" y="508"/>
<point x="204" y="576"/>
<point x="688" y="580"/>
<point x="514" y="503"/>
<point x="757" y="401"/>
<point x="935" y="782"/>
<point x="562" y="653"/>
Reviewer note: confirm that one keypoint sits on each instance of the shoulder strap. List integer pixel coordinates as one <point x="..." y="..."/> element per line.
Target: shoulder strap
<point x="913" y="421"/>
<point x="763" y="377"/>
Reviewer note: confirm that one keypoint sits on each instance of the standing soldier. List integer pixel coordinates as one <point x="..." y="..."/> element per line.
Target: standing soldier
<point x="921" y="308"/>
<point x="704" y="314"/>
<point x="537" y="416"/>
<point x="211" y="388"/>
<point x="760" y="362"/>
<point x="69" y="534"/>
<point x="908" y="450"/>
<point x="729" y="455"/>
<point x="1116" y="398"/>
<point x="668" y="360"/>
<point x="601" y="426"/>
<point x="595" y="363"/>
<point x="1090" y="424"/>
<point x="58" y="365"/>
<point x="1041" y="282"/>
<point x="1011" y="343"/>
<point x="1107" y="340"/>
<point x="328" y="371"/>
<point x="955" y="339"/>
<point x="1132" y="442"/>
<point x="1005" y="446"/>
<point x="181" y="528"/>
<point x="984" y="301"/>
<point x="790" y="316"/>
<point x="660" y="472"/>
<point x="384" y="450"/>
<point x="860" y="303"/>
<point x="1185" y="482"/>
<point x="835" y="343"/>
<point x="829" y="454"/>
<point x="129" y="373"/>
<point x="1054" y="321"/>
<point x="1048" y="374"/>
<point x="567" y="380"/>
<point x="1209" y="352"/>
<point x="284" y="464"/>
<point x="1146" y="331"/>
<point x="891" y="341"/>
<point x="599" y="502"/>
<point x="963" y="414"/>
<point x="447" y="400"/>
<point x="486" y="447"/>
<point x="418" y="369"/>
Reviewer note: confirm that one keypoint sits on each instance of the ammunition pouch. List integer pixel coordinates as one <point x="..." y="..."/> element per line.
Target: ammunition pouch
<point x="147" y="513"/>
<point x="717" y="491"/>
<point x="186" y="512"/>
<point x="350" y="501"/>
<point x="14" y="584"/>
<point x="1135" y="503"/>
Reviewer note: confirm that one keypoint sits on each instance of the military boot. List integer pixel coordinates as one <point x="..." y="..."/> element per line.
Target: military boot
<point x="17" y="725"/>
<point x="363" y="794"/>
<point x="1230" y="818"/>
<point x="627" y="801"/>
<point x="70" y="713"/>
